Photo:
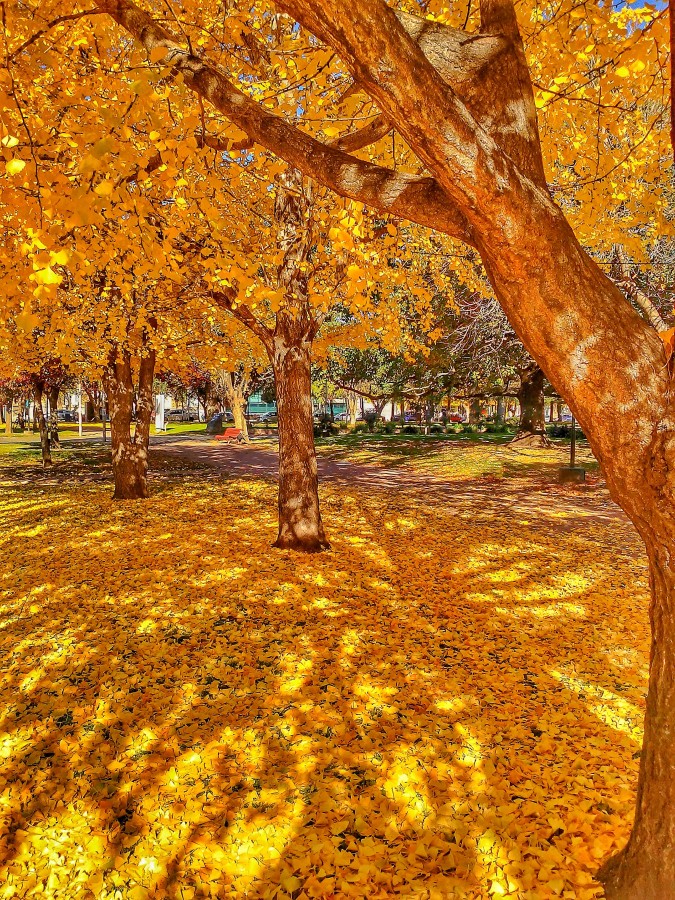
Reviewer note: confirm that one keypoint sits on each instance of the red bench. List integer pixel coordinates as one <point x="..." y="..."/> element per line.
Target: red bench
<point x="231" y="434"/>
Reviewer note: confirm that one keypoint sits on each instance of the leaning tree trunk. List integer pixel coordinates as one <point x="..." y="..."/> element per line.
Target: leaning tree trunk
<point x="39" y="418"/>
<point x="532" y="426"/>
<point x="130" y="453"/>
<point x="645" y="868"/>
<point x="300" y="525"/>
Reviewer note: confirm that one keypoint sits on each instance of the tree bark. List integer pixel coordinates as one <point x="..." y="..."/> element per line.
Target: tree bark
<point x="645" y="868"/>
<point x="39" y="418"/>
<point x="300" y="525"/>
<point x="54" y="438"/>
<point x="532" y="426"/>
<point x="130" y="453"/>
<point x="501" y="409"/>
<point x="236" y="389"/>
<point x="474" y="412"/>
<point x="8" y="417"/>
<point x="352" y="401"/>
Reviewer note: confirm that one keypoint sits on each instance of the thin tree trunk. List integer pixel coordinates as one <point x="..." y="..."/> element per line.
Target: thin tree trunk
<point x="531" y="427"/>
<point x="54" y="438"/>
<point x="645" y="868"/>
<point x="238" y="405"/>
<point x="352" y="400"/>
<point x="500" y="410"/>
<point x="8" y="418"/>
<point x="474" y="412"/>
<point x="39" y="418"/>
<point x="300" y="525"/>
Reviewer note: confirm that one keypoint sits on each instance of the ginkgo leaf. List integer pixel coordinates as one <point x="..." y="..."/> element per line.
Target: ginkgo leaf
<point x="15" y="166"/>
<point x="47" y="276"/>
<point x="104" y="188"/>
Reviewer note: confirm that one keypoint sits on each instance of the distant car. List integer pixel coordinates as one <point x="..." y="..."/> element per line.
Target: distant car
<point x="254" y="417"/>
<point x="341" y="417"/>
<point x="456" y="417"/>
<point x="179" y="415"/>
<point x="269" y="417"/>
<point x="64" y="415"/>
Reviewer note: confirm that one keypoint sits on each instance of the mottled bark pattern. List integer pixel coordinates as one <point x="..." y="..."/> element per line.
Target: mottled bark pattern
<point x="300" y="525"/>
<point x="130" y="452"/>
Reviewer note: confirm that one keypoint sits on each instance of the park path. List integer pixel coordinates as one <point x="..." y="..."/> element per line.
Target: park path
<point x="541" y="503"/>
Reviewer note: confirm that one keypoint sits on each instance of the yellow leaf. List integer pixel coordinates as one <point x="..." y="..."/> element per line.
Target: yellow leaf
<point x="14" y="166"/>
<point x="623" y="72"/>
<point x="104" y="189"/>
<point x="47" y="276"/>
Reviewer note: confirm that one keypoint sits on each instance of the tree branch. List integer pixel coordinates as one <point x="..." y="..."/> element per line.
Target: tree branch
<point x="419" y="199"/>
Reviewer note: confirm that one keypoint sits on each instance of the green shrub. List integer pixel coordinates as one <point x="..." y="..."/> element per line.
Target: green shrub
<point x="436" y="429"/>
<point x="410" y="429"/>
<point x="470" y="429"/>
<point x="389" y="428"/>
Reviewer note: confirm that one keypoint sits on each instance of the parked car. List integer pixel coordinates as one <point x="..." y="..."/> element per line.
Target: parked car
<point x="456" y="417"/>
<point x="269" y="417"/>
<point x="64" y="415"/>
<point x="179" y="415"/>
<point x="254" y="417"/>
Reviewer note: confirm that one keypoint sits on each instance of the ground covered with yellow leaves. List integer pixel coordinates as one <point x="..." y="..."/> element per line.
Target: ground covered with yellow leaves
<point x="447" y="704"/>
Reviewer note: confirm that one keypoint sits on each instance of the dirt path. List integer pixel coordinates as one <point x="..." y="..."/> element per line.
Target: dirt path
<point x="539" y="502"/>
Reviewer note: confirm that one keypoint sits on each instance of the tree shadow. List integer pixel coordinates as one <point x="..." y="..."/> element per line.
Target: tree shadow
<point x="442" y="706"/>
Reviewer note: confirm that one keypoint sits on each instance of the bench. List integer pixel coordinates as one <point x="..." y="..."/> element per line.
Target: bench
<point x="231" y="434"/>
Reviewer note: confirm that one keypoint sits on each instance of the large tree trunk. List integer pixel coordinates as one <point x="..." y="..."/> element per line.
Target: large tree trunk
<point x="130" y="453"/>
<point x="501" y="409"/>
<point x="645" y="868"/>
<point x="474" y="411"/>
<point x="300" y="525"/>
<point x="532" y="426"/>
<point x="39" y="418"/>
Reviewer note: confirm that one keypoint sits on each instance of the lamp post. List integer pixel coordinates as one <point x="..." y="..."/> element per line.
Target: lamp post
<point x="572" y="473"/>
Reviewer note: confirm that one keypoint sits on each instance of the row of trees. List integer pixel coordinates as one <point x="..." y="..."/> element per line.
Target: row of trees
<point x="260" y="169"/>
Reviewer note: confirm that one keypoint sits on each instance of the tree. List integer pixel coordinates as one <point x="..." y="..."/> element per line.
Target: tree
<point x="465" y="106"/>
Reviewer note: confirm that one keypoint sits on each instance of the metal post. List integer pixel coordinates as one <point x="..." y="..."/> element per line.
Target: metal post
<point x="573" y="444"/>
<point x="79" y="410"/>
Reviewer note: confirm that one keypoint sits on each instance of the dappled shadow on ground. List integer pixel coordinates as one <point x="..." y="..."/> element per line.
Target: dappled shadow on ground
<point x="83" y="463"/>
<point x="518" y="484"/>
<point x="442" y="706"/>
